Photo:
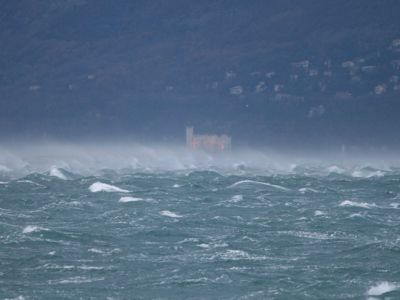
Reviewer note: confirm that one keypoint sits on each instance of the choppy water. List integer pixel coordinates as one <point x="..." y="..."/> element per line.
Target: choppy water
<point x="307" y="234"/>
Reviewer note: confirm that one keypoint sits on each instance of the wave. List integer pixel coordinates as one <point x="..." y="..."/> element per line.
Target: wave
<point x="129" y="199"/>
<point x="55" y="172"/>
<point x="305" y="190"/>
<point x="236" y="198"/>
<point x="367" y="173"/>
<point x="170" y="214"/>
<point x="309" y="235"/>
<point x="236" y="255"/>
<point x="17" y="298"/>
<point x="33" y="228"/>
<point x="52" y="266"/>
<point x="319" y="213"/>
<point x="336" y="169"/>
<point x="253" y="182"/>
<point x="76" y="280"/>
<point x="53" y="159"/>
<point x="26" y="181"/>
<point x="104" y="187"/>
<point x="382" y="288"/>
<point x="357" y="204"/>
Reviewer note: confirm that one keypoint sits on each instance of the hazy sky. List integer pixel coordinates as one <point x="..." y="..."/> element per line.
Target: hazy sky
<point x="266" y="72"/>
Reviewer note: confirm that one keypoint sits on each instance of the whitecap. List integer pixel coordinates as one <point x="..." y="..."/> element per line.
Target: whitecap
<point x="55" y="172"/>
<point x="357" y="204"/>
<point x="382" y="288"/>
<point x="223" y="279"/>
<point x="58" y="267"/>
<point x="176" y="186"/>
<point x="236" y="198"/>
<point x="30" y="182"/>
<point x="237" y="255"/>
<point x="76" y="280"/>
<point x="104" y="187"/>
<point x="33" y="228"/>
<point x="247" y="181"/>
<point x="395" y="205"/>
<point x="187" y="240"/>
<point x="318" y="213"/>
<point x="104" y="252"/>
<point x="305" y="190"/>
<point x="366" y="174"/>
<point x="89" y="268"/>
<point x="335" y="169"/>
<point x="170" y="214"/>
<point x="309" y="235"/>
<point x="129" y="199"/>
<point x="94" y="250"/>
<point x="72" y="267"/>
<point x="356" y="216"/>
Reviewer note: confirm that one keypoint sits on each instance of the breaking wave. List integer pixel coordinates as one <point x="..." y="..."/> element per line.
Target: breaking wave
<point x="170" y="214"/>
<point x="33" y="228"/>
<point x="129" y="199"/>
<point x="62" y="161"/>
<point x="104" y="187"/>
<point x="168" y="229"/>
<point x="357" y="204"/>
<point x="382" y="288"/>
<point x="253" y="182"/>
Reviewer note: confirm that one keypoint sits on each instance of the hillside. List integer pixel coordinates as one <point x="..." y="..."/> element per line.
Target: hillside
<point x="273" y="70"/>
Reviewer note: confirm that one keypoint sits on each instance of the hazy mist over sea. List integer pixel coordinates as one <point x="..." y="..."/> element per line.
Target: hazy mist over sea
<point x="85" y="158"/>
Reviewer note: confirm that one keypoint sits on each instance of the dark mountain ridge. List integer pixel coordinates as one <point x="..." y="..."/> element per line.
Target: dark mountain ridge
<point x="275" y="71"/>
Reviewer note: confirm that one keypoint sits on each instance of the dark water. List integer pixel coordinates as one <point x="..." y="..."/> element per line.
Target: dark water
<point x="201" y="235"/>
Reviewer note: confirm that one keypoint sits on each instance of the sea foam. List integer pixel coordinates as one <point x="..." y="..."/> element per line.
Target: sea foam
<point x="305" y="190"/>
<point x="104" y="187"/>
<point x="32" y="228"/>
<point x="129" y="199"/>
<point x="94" y="250"/>
<point x="367" y="174"/>
<point x="357" y="204"/>
<point x="75" y="280"/>
<point x="30" y="182"/>
<point x="335" y="169"/>
<point x="318" y="213"/>
<point x="236" y="198"/>
<point x="55" y="172"/>
<point x="170" y="214"/>
<point x="382" y="288"/>
<point x="247" y="181"/>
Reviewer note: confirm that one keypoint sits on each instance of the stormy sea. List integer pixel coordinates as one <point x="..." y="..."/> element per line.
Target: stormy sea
<point x="196" y="227"/>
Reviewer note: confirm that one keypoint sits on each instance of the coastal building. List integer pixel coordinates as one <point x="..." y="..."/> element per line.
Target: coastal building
<point x="304" y="64"/>
<point x="207" y="142"/>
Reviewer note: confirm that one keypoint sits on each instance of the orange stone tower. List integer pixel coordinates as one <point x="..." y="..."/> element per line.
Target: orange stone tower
<point x="207" y="142"/>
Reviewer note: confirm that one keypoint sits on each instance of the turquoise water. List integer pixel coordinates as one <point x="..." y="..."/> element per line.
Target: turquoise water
<point x="201" y="234"/>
